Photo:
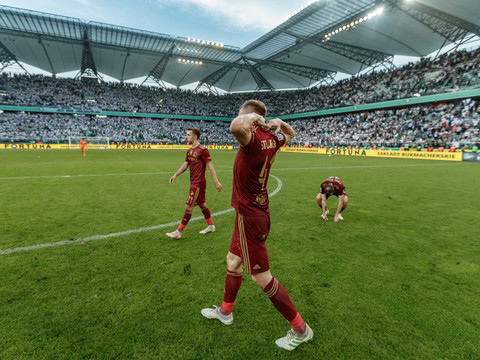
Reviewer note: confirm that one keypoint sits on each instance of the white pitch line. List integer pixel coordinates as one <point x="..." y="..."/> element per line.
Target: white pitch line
<point x="122" y="233"/>
<point x="89" y="175"/>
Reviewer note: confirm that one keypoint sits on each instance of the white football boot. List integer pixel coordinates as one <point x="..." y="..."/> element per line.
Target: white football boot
<point x="292" y="340"/>
<point x="215" y="313"/>
<point x="209" y="228"/>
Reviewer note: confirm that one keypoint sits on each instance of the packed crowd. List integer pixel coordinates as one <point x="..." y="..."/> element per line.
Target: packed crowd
<point x="450" y="71"/>
<point x="446" y="124"/>
<point x="52" y="128"/>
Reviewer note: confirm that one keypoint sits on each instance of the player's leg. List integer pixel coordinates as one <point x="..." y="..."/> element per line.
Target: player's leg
<point x="186" y="217"/>
<point x="190" y="203"/>
<point x="233" y="280"/>
<point x="345" y="203"/>
<point x="208" y="218"/>
<point x="319" y="202"/>
<point x="279" y="297"/>
<point x="256" y="234"/>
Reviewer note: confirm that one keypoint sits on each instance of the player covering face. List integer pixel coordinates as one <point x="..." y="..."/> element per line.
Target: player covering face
<point x="251" y="170"/>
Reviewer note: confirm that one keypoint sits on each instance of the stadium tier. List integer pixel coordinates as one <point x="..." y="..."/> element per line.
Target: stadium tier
<point x="450" y="72"/>
<point x="445" y="124"/>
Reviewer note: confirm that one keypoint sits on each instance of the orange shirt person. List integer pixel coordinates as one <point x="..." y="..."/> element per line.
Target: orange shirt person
<point x="83" y="147"/>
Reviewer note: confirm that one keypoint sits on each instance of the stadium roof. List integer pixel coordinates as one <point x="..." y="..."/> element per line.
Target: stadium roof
<point x="315" y="43"/>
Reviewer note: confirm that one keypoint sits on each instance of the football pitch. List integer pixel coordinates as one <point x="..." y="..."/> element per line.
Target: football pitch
<point x="88" y="273"/>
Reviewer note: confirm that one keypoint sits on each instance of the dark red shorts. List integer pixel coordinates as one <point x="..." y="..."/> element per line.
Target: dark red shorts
<point x="196" y="196"/>
<point x="248" y="242"/>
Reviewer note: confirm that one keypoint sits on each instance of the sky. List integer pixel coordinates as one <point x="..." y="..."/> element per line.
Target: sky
<point x="232" y="22"/>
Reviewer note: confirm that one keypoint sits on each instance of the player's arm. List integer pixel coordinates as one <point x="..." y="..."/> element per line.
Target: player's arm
<point x="240" y="127"/>
<point x="324" y="206"/>
<point x="283" y="127"/>
<point x="218" y="186"/>
<point x="339" y="207"/>
<point x="179" y="171"/>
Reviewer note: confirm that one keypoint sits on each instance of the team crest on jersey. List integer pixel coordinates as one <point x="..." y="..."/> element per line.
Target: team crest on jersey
<point x="280" y="136"/>
<point x="261" y="199"/>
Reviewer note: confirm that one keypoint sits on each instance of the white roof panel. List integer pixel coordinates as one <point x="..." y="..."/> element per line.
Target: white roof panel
<point x="315" y="39"/>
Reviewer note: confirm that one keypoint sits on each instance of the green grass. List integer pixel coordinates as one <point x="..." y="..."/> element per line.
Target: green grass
<point x="397" y="279"/>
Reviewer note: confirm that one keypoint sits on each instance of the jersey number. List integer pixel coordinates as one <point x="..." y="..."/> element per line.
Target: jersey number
<point x="264" y="173"/>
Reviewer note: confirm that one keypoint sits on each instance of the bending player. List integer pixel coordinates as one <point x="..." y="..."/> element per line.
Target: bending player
<point x="251" y="169"/>
<point x="198" y="158"/>
<point x="332" y="186"/>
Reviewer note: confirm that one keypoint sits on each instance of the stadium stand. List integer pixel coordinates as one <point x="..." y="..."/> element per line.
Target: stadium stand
<point x="447" y="124"/>
<point x="454" y="71"/>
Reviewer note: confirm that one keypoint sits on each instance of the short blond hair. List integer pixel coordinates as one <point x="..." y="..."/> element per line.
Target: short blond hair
<point x="258" y="107"/>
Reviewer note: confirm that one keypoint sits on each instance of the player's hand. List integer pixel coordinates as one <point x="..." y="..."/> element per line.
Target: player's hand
<point x="259" y="121"/>
<point x="218" y="185"/>
<point x="172" y="179"/>
<point x="276" y="123"/>
<point x="337" y="218"/>
<point x="324" y="217"/>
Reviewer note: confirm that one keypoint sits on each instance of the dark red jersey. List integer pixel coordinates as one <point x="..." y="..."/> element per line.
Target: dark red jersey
<point x="251" y="170"/>
<point x="197" y="159"/>
<point x="336" y="183"/>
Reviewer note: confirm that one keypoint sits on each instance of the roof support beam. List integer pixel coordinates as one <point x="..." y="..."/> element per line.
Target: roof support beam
<point x="124" y="65"/>
<point x="465" y="40"/>
<point x="46" y="54"/>
<point x="364" y="56"/>
<point x="214" y="77"/>
<point x="157" y="72"/>
<point x="262" y="83"/>
<point x="305" y="71"/>
<point x="7" y="58"/>
<point x="446" y="25"/>
<point x="88" y="62"/>
<point x="159" y="69"/>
